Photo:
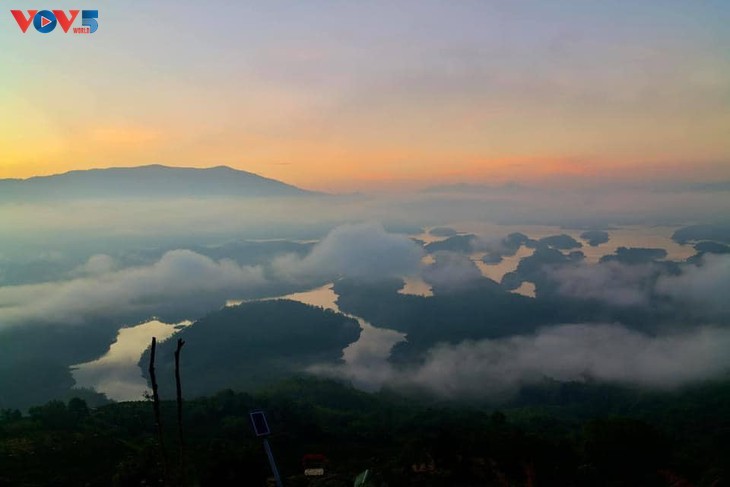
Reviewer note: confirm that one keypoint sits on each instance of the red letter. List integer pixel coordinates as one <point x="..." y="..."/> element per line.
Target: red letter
<point x="23" y="23"/>
<point x="64" y="21"/>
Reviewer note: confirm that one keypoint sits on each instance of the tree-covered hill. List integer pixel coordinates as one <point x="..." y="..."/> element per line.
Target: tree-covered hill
<point x="249" y="346"/>
<point x="561" y="435"/>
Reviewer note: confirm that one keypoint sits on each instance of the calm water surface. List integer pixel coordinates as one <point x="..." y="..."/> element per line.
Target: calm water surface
<point x="117" y="373"/>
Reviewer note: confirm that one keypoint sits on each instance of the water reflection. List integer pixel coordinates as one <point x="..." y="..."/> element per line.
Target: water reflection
<point x="117" y="374"/>
<point x="508" y="264"/>
<point x="638" y="236"/>
<point x="628" y="236"/>
<point x="365" y="358"/>
<point x="526" y="289"/>
<point x="324" y="297"/>
<point x="370" y="351"/>
<point x="416" y="286"/>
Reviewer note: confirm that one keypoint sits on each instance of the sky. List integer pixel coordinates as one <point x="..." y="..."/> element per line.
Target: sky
<point x="347" y="95"/>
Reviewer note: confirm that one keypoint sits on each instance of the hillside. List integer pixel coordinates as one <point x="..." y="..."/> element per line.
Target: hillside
<point x="581" y="435"/>
<point x="253" y="345"/>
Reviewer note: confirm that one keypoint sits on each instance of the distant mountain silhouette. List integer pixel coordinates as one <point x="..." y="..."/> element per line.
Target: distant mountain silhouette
<point x="153" y="181"/>
<point x="468" y="188"/>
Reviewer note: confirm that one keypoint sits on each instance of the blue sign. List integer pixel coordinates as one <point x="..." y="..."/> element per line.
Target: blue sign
<point x="260" y="425"/>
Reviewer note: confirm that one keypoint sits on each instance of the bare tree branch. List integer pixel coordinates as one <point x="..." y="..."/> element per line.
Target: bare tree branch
<point x="180" y="344"/>
<point x="156" y="408"/>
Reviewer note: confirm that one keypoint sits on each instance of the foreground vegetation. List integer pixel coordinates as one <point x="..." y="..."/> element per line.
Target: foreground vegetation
<point x="554" y="434"/>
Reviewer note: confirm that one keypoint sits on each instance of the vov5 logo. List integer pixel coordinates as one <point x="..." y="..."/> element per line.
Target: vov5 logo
<point x="46" y="21"/>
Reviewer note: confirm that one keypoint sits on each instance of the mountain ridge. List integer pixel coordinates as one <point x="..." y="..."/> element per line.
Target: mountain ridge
<point x="151" y="181"/>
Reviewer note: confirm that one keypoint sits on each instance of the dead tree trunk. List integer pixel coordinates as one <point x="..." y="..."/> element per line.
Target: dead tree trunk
<point x="156" y="408"/>
<point x="180" y="344"/>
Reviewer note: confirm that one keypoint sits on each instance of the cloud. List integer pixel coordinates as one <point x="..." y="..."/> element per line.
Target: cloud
<point x="578" y="352"/>
<point x="182" y="282"/>
<point x="451" y="270"/>
<point x="364" y="251"/>
<point x="96" y="265"/>
<point x="366" y="360"/>
<point x="607" y="353"/>
<point x="700" y="288"/>
<point x="611" y="282"/>
<point x="704" y="286"/>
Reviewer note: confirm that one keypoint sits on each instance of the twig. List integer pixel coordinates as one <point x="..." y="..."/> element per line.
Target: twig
<point x="180" y="343"/>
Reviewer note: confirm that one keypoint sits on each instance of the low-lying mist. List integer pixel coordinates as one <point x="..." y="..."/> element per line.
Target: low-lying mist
<point x="657" y="322"/>
<point x="497" y="369"/>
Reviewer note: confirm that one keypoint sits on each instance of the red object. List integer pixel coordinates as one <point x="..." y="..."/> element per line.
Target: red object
<point x="313" y="459"/>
